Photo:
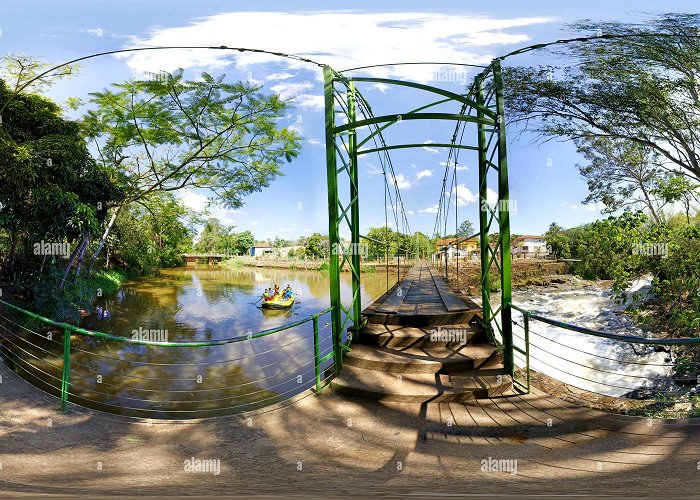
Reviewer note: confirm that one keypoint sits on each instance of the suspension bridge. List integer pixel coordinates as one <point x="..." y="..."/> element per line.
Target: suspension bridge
<point x="355" y="347"/>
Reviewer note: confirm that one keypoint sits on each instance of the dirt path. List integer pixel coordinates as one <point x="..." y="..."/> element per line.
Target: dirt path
<point x="331" y="445"/>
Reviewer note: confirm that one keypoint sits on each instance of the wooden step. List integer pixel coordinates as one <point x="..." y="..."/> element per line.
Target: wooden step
<point x="422" y="387"/>
<point x="397" y="336"/>
<point x="427" y="359"/>
<point x="412" y="318"/>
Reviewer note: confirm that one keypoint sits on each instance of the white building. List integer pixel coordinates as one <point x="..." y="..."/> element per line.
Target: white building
<point x="529" y="247"/>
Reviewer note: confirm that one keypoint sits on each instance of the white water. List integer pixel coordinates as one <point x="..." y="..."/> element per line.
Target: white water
<point x="591" y="363"/>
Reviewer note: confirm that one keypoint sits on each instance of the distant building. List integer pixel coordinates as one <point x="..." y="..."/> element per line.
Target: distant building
<point x="462" y="247"/>
<point x="529" y="247"/>
<point x="260" y="249"/>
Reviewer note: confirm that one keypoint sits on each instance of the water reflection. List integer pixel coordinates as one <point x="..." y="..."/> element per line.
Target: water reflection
<point x="192" y="304"/>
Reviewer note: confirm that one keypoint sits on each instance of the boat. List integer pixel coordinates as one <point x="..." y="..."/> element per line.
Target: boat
<point x="278" y="303"/>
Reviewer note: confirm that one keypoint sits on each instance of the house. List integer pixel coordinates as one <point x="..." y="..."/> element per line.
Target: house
<point x="462" y="247"/>
<point x="529" y="247"/>
<point x="260" y="249"/>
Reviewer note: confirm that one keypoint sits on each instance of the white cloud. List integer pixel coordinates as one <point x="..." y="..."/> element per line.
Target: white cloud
<point x="423" y="173"/>
<point x="199" y="202"/>
<point x="402" y="182"/>
<point x="464" y="195"/>
<point x="452" y="164"/>
<point x="381" y="87"/>
<point x="373" y="170"/>
<point x="491" y="196"/>
<point x="313" y="141"/>
<point x="430" y="210"/>
<point x="279" y="76"/>
<point x="301" y="98"/>
<point x="323" y="37"/>
<point x="430" y="150"/>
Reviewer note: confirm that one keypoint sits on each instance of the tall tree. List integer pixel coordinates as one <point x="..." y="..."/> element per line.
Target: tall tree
<point x="466" y="228"/>
<point x="621" y="174"/>
<point x="643" y="89"/>
<point x="678" y="188"/>
<point x="171" y="134"/>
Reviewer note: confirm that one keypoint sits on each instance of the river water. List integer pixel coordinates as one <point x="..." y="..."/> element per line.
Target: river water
<point x="198" y="304"/>
<point x="591" y="363"/>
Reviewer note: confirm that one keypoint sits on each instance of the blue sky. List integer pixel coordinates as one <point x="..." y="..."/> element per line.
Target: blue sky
<point x="544" y="180"/>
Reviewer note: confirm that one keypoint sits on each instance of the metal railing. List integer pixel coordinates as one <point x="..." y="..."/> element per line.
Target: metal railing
<point x="65" y="386"/>
<point x="616" y="366"/>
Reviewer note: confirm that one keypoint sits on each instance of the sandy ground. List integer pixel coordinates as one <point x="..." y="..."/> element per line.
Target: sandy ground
<point x="330" y="445"/>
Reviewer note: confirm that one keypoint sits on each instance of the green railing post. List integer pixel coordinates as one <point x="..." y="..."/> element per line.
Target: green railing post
<point x="333" y="233"/>
<point x="65" y="376"/>
<point x="504" y="222"/>
<point x="317" y="354"/>
<point x="526" y="325"/>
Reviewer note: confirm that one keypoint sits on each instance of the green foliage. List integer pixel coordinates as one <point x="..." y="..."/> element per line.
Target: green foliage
<point x="622" y="174"/>
<point x="217" y="238"/>
<point x="642" y="89"/>
<point x="77" y="296"/>
<point x="317" y="246"/>
<point x="152" y="236"/>
<point x="466" y="229"/>
<point x="204" y="133"/>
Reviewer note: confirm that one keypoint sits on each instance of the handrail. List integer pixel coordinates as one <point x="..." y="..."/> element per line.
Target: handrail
<point x="630" y="339"/>
<point x="68" y="329"/>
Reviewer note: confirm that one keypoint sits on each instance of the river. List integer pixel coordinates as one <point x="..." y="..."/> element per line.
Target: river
<point x="202" y="304"/>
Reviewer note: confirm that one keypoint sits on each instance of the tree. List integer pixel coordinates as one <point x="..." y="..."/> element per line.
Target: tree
<point x="383" y="242"/>
<point x="466" y="229"/>
<point x="171" y="134"/>
<point x="677" y="188"/>
<point x="50" y="187"/>
<point x="244" y="242"/>
<point x="643" y="89"/>
<point x="622" y="174"/>
<point x="421" y="244"/>
<point x="559" y="240"/>
<point x="314" y="245"/>
<point x="210" y="238"/>
<point x="27" y="74"/>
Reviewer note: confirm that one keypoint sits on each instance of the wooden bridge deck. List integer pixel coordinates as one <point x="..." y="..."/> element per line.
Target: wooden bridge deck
<point x="421" y="294"/>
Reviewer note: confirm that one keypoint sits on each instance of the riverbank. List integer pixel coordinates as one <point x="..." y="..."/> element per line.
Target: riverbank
<point x="524" y="273"/>
<point x="308" y="265"/>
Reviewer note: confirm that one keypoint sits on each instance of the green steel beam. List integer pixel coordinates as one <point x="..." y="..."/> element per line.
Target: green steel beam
<point x="333" y="236"/>
<point x="414" y="116"/>
<point x="416" y="110"/>
<point x="404" y="146"/>
<point x="354" y="215"/>
<point x="483" y="216"/>
<point x="435" y="90"/>
<point x="504" y="223"/>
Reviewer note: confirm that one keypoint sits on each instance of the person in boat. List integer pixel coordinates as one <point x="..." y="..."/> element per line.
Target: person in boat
<point x="288" y="292"/>
<point x="266" y="295"/>
<point x="277" y="290"/>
